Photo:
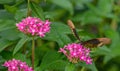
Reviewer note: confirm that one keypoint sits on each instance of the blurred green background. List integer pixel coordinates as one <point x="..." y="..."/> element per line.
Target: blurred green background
<point x="92" y="18"/>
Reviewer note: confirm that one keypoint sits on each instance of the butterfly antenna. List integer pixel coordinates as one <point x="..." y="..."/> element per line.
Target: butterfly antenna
<point x="72" y="27"/>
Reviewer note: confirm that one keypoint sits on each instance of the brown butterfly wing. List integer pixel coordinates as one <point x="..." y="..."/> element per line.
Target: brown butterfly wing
<point x="91" y="43"/>
<point x="72" y="27"/>
<point x="96" y="42"/>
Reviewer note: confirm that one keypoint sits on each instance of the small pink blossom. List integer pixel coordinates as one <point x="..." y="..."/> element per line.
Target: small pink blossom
<point x="34" y="26"/>
<point x="17" y="65"/>
<point x="76" y="52"/>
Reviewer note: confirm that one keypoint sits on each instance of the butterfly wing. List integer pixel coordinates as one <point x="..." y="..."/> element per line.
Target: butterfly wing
<point x="72" y="27"/>
<point x="97" y="42"/>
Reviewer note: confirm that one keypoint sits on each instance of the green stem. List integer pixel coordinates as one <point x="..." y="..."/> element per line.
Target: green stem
<point x="83" y="69"/>
<point x="28" y="10"/>
<point x="33" y="53"/>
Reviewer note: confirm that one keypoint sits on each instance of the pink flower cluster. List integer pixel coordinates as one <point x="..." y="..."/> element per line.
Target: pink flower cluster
<point x="17" y="65"/>
<point x="76" y="52"/>
<point x="34" y="26"/>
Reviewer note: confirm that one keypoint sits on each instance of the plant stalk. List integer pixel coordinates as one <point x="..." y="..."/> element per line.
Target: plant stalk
<point x="33" y="53"/>
<point x="28" y="9"/>
<point x="83" y="69"/>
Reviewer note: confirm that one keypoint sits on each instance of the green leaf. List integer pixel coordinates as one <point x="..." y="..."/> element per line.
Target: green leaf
<point x="37" y="11"/>
<point x="57" y="65"/>
<point x="22" y="57"/>
<point x="13" y="34"/>
<point x="114" y="36"/>
<point x="4" y="44"/>
<point x="87" y="18"/>
<point x="20" y="44"/>
<point x="79" y="4"/>
<point x="94" y="9"/>
<point x="55" y="15"/>
<point x="6" y="1"/>
<point x="66" y="4"/>
<point x="11" y="9"/>
<point x="5" y="15"/>
<point x="50" y="59"/>
<point x="58" y="33"/>
<point x="40" y="51"/>
<point x="92" y="67"/>
<point x="114" y="47"/>
<point x="7" y="55"/>
<point x="20" y="14"/>
<point x="6" y="24"/>
<point x="115" y="52"/>
<point x="70" y="67"/>
<point x="105" y="6"/>
<point x="102" y="51"/>
<point x="2" y="60"/>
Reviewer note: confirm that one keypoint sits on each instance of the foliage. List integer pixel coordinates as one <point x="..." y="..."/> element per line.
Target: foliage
<point x="92" y="18"/>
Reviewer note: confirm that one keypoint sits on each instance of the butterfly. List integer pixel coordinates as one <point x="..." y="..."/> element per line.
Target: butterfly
<point x="96" y="42"/>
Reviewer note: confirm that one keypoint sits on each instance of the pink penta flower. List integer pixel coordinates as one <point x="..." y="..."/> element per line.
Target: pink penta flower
<point x="17" y="65"/>
<point x="34" y="26"/>
<point x="76" y="52"/>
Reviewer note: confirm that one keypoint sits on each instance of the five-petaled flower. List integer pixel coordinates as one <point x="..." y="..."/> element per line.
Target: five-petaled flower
<point x="17" y="65"/>
<point x="34" y="26"/>
<point x="76" y="52"/>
